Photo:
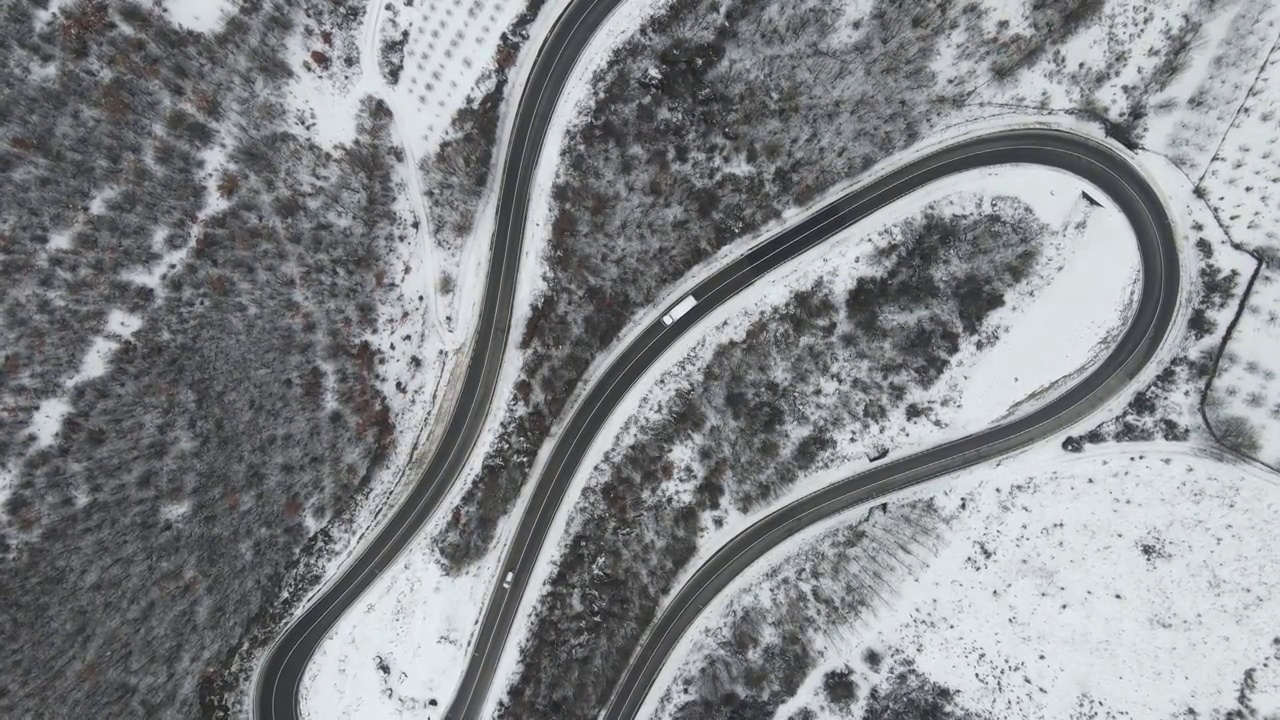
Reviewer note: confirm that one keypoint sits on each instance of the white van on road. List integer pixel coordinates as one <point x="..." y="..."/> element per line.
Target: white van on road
<point x="680" y="309"/>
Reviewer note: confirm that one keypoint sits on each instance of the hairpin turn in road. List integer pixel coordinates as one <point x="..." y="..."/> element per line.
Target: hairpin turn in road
<point x="1114" y="174"/>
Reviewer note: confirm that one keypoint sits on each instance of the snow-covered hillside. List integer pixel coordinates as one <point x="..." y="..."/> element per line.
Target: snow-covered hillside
<point x="1240" y="184"/>
<point x="1133" y="581"/>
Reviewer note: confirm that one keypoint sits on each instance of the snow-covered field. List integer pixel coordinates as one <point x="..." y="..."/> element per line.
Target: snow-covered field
<point x="1246" y="386"/>
<point x="1133" y="581"/>
<point x="1239" y="183"/>
<point x="198" y="15"/>
<point x="1219" y="115"/>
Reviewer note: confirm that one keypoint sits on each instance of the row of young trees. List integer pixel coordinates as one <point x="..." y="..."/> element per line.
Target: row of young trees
<point x="769" y="644"/>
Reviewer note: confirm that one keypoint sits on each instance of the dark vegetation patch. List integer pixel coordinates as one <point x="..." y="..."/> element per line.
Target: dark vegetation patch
<point x="141" y="545"/>
<point x="908" y="693"/>
<point x="391" y="56"/>
<point x="1154" y="548"/>
<point x="839" y="686"/>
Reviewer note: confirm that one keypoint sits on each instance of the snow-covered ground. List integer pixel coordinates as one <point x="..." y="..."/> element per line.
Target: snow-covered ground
<point x="1239" y="182"/>
<point x="198" y="15"/>
<point x="401" y="649"/>
<point x="1246" y="386"/>
<point x="1219" y="91"/>
<point x="1136" y="581"/>
<point x="446" y="48"/>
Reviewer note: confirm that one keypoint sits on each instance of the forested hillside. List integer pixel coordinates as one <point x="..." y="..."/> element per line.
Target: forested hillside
<point x="186" y="393"/>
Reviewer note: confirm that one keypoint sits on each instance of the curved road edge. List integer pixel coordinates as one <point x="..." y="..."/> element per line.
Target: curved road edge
<point x="1125" y="184"/>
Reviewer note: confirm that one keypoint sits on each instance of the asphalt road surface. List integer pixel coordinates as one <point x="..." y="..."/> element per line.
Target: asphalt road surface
<point x="279" y="678"/>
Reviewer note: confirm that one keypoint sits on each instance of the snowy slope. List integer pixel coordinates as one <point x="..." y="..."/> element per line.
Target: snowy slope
<point x="1134" y="582"/>
<point x="1239" y="183"/>
<point x="198" y="15"/>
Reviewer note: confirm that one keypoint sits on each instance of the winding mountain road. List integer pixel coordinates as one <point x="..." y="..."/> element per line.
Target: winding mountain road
<point x="1092" y="161"/>
<point x="1151" y="321"/>
<point x="279" y="679"/>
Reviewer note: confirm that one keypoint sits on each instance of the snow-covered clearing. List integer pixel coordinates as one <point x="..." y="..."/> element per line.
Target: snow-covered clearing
<point x="1135" y="581"/>
<point x="47" y="420"/>
<point x="400" y="650"/>
<point x="198" y="15"/>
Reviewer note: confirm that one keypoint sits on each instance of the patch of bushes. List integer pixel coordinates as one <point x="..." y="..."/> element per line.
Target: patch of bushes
<point x="908" y="693"/>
